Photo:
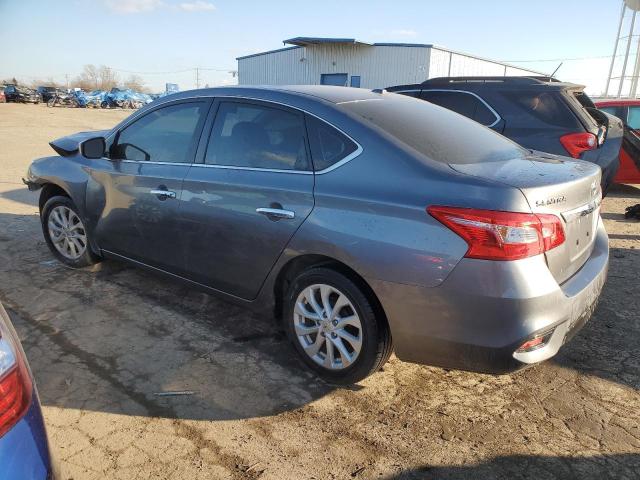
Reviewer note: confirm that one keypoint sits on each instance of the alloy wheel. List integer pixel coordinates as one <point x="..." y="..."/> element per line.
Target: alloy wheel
<point x="327" y="326"/>
<point x="67" y="232"/>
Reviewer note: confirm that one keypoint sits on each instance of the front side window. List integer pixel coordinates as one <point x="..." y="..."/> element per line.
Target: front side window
<point x="257" y="136"/>
<point x="463" y="103"/>
<point x="328" y="145"/>
<point x="163" y="135"/>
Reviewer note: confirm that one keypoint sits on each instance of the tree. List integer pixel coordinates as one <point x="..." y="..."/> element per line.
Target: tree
<point x="135" y="82"/>
<point x="96" y="78"/>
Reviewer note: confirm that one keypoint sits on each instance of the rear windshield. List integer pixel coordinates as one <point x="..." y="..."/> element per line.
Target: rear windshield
<point x="547" y="107"/>
<point x="438" y="133"/>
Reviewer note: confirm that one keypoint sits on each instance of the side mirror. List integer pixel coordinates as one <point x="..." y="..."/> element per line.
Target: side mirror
<point x="93" y="148"/>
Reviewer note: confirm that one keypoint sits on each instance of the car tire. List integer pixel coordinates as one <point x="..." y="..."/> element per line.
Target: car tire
<point x="65" y="233"/>
<point x="357" y="335"/>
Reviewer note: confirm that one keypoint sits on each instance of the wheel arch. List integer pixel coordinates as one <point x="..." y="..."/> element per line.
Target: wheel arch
<point x="299" y="264"/>
<point x="50" y="190"/>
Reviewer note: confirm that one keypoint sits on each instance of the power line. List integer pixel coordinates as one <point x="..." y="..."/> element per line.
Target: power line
<point x="559" y="59"/>
<point x="186" y="70"/>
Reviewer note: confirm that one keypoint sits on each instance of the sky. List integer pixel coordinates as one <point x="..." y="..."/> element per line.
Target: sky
<point x="164" y="40"/>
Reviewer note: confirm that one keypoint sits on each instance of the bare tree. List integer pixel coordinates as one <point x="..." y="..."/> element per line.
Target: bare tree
<point x="108" y="78"/>
<point x="50" y="82"/>
<point x="135" y="82"/>
<point x="96" y="78"/>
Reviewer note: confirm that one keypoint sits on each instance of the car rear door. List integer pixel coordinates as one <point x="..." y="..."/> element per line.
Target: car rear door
<point x="136" y="195"/>
<point x="249" y="191"/>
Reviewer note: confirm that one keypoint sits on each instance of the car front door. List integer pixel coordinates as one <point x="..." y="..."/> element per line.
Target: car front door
<point x="250" y="190"/>
<point x="137" y="192"/>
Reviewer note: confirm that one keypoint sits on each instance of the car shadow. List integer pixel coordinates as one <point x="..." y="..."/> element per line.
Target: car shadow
<point x="517" y="467"/>
<point x="607" y="346"/>
<point x="21" y="195"/>
<point x="118" y="339"/>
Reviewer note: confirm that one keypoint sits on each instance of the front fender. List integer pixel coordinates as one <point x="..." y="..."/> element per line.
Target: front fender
<point x="65" y="173"/>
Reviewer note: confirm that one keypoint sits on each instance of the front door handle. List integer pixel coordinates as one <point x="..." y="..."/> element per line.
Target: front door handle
<point x="276" y="213"/>
<point x="163" y="193"/>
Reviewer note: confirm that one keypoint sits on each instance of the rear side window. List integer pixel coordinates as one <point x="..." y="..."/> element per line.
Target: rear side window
<point x="257" y="136"/>
<point x="633" y="118"/>
<point x="163" y="135"/>
<point x="463" y="103"/>
<point x="328" y="145"/>
<point x="547" y="107"/>
<point x="615" y="111"/>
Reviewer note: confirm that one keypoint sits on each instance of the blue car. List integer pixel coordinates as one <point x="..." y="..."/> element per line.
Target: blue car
<point x="24" y="448"/>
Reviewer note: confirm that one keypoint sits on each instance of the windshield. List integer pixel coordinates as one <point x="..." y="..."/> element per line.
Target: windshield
<point x="438" y="133"/>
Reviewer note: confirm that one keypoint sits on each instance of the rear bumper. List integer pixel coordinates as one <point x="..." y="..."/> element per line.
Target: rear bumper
<point x="484" y="311"/>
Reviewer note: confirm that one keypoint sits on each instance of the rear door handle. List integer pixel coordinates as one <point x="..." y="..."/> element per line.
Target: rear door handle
<point x="163" y="193"/>
<point x="276" y="213"/>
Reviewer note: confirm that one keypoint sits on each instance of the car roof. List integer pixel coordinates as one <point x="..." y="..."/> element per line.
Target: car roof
<point x="327" y="93"/>
<point x="618" y="102"/>
<point x="491" y="82"/>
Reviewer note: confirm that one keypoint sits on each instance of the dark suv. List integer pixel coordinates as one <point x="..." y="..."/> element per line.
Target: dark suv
<point x="20" y="94"/>
<point x="539" y="113"/>
<point x="47" y="93"/>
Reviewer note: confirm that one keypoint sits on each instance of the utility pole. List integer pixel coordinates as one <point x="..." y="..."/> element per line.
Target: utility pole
<point x="197" y="78"/>
<point x="66" y="77"/>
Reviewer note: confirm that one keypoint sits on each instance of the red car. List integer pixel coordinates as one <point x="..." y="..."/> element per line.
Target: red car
<point x="629" y="112"/>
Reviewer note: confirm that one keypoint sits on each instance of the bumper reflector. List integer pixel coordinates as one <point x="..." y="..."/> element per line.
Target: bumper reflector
<point x="535" y="343"/>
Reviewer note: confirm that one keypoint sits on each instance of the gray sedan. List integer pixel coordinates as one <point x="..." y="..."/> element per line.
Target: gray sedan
<point x="355" y="216"/>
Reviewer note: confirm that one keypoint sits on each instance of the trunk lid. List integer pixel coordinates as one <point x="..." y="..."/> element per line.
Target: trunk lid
<point x="67" y="146"/>
<point x="552" y="184"/>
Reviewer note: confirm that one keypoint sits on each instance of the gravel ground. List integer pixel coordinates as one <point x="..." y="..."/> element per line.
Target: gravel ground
<point x="103" y="342"/>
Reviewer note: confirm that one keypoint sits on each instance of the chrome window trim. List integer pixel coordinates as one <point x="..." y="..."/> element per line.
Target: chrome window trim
<point x="495" y="114"/>
<point x="336" y="165"/>
<point x="145" y="162"/>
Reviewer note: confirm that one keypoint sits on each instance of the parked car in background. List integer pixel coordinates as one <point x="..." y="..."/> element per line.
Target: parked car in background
<point x="3" y="99"/>
<point x="539" y="113"/>
<point x="20" y="94"/>
<point x="47" y="93"/>
<point x="339" y="211"/>
<point x="24" y="448"/>
<point x="628" y="111"/>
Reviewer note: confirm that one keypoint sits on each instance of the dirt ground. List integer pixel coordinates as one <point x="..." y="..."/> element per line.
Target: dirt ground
<point x="103" y="342"/>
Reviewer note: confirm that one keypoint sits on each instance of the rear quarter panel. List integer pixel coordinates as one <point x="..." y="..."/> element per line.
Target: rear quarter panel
<point x="370" y="213"/>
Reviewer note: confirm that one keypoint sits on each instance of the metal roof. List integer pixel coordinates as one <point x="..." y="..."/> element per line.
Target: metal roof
<point x="306" y="41"/>
<point x="300" y="42"/>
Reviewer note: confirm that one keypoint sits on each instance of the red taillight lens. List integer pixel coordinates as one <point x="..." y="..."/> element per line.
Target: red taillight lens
<point x="15" y="383"/>
<point x="576" y="143"/>
<point x="496" y="235"/>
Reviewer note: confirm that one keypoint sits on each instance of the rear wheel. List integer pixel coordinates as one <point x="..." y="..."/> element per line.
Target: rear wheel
<point x="334" y="327"/>
<point x="65" y="233"/>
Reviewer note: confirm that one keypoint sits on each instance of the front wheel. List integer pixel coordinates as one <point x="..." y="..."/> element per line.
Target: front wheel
<point x="66" y="234"/>
<point x="51" y="102"/>
<point x="335" y="327"/>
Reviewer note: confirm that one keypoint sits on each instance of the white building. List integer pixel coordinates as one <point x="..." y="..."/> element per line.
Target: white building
<point x="347" y="61"/>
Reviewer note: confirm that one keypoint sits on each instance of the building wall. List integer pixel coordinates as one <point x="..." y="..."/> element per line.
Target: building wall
<point x="377" y="66"/>
<point x="445" y="63"/>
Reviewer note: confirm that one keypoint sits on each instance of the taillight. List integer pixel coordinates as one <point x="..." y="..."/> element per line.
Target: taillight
<point x="576" y="143"/>
<point x="15" y="381"/>
<point x="497" y="235"/>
